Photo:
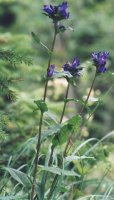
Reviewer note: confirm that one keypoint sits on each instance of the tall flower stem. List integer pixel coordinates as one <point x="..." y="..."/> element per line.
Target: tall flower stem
<point x="41" y="120"/>
<point x="86" y="101"/>
<point x="66" y="96"/>
<point x="83" y="120"/>
<point x="85" y="104"/>
<point x="62" y="115"/>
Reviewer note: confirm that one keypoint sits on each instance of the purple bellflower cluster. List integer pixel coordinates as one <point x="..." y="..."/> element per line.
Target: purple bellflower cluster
<point x="51" y="70"/>
<point x="72" y="67"/>
<point x="56" y="13"/>
<point x="99" y="60"/>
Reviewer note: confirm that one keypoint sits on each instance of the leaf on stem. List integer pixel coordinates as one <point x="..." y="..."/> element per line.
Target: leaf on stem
<point x="14" y="197"/>
<point x="62" y="74"/>
<point x="42" y="106"/>
<point x="72" y="125"/>
<point x="20" y="177"/>
<point x="51" y="131"/>
<point x="75" y="100"/>
<point x="37" y="39"/>
<point x="57" y="170"/>
<point x="73" y="158"/>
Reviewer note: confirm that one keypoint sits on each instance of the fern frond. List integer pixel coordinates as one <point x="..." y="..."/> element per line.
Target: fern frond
<point x="3" y="126"/>
<point x="14" y="57"/>
<point x="4" y="83"/>
<point x="4" y="88"/>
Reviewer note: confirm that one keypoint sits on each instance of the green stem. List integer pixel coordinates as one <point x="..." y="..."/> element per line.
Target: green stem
<point x="68" y="142"/>
<point x="40" y="123"/>
<point x="62" y="115"/>
<point x="83" y="120"/>
<point x="66" y="96"/>
<point x="66" y="147"/>
<point x="49" y="62"/>
<point x="85" y="104"/>
<point x="53" y="186"/>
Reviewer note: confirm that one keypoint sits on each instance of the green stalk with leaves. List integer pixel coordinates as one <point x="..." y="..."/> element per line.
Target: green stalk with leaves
<point x="42" y="113"/>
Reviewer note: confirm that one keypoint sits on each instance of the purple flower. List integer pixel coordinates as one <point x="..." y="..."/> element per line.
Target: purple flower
<point x="51" y="70"/>
<point x="56" y="13"/>
<point x="100" y="59"/>
<point x="72" y="67"/>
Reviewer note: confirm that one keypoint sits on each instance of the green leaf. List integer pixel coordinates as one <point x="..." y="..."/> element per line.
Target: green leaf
<point x="51" y="131"/>
<point x="63" y="189"/>
<point x="20" y="177"/>
<point x="57" y="170"/>
<point x="52" y="116"/>
<point x="75" y="121"/>
<point x="72" y="158"/>
<point x="37" y="39"/>
<point x="45" y="173"/>
<point x="40" y="193"/>
<point x="63" y="135"/>
<point x="42" y="106"/>
<point x="14" y="198"/>
<point x="82" y="145"/>
<point x="110" y="134"/>
<point x="75" y="100"/>
<point x="62" y="74"/>
<point x="72" y="125"/>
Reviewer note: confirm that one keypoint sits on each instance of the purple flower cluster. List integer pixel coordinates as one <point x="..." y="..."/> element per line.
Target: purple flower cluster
<point x="51" y="70"/>
<point x="100" y="59"/>
<point x="56" y="13"/>
<point x="72" y="67"/>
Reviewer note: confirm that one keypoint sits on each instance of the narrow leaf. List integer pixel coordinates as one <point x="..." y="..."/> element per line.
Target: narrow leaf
<point x="37" y="39"/>
<point x="57" y="170"/>
<point x="62" y="74"/>
<point x="14" y="198"/>
<point x="20" y="177"/>
<point x="83" y="144"/>
<point x="72" y="158"/>
<point x="75" y="100"/>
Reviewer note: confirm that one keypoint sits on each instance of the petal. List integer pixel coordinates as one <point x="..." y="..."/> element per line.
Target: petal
<point x="75" y="63"/>
<point x="51" y="70"/>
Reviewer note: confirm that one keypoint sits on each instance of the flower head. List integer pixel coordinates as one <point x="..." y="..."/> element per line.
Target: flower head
<point x="56" y="13"/>
<point x="72" y="67"/>
<point x="51" y="70"/>
<point x="100" y="59"/>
